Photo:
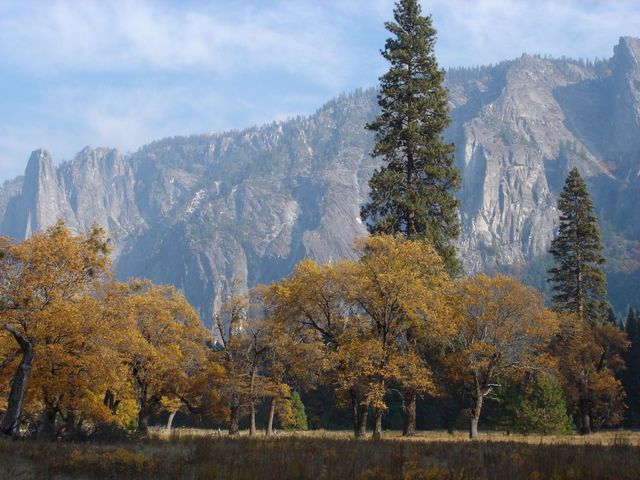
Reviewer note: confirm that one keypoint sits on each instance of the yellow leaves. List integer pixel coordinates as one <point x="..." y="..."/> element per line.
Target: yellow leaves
<point x="501" y="325"/>
<point x="413" y="373"/>
<point x="92" y="336"/>
<point x="400" y="284"/>
<point x="45" y="271"/>
<point x="589" y="357"/>
<point x="48" y="285"/>
<point x="365" y="317"/>
<point x="164" y="343"/>
<point x="170" y="403"/>
<point x="310" y="302"/>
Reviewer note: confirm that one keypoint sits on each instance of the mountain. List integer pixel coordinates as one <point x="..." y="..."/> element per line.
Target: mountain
<point x="240" y="208"/>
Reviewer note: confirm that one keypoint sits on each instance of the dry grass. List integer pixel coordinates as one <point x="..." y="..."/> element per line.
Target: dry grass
<point x="200" y="454"/>
<point x="608" y="438"/>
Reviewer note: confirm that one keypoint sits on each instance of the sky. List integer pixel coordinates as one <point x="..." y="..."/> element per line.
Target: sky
<point x="124" y="73"/>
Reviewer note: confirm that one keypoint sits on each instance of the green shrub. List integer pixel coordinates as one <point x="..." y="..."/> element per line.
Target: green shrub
<point x="299" y="417"/>
<point x="536" y="407"/>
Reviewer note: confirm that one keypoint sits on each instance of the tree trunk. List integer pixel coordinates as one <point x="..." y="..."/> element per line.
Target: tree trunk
<point x="143" y="419"/>
<point x="585" y="417"/>
<point x="475" y="416"/>
<point x="377" y="429"/>
<point x="170" y="419"/>
<point x="72" y="425"/>
<point x="409" y="411"/>
<point x="354" y="411"/>
<point x="252" y="426"/>
<point x="473" y="428"/>
<point x="110" y="402"/>
<point x="272" y="411"/>
<point x="11" y="421"/>
<point x="234" y="424"/>
<point x="361" y="427"/>
<point x="47" y="427"/>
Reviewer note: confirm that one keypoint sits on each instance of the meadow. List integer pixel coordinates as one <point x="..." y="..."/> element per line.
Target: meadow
<point x="199" y="454"/>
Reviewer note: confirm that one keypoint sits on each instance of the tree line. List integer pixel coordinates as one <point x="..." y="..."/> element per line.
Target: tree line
<point x="83" y="354"/>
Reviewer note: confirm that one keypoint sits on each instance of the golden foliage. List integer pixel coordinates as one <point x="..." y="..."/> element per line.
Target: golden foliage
<point x="360" y="320"/>
<point x="501" y="330"/>
<point x="589" y="357"/>
<point x="96" y="343"/>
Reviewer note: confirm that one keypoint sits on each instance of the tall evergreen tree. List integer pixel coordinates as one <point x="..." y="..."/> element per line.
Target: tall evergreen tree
<point x="579" y="283"/>
<point x="411" y="194"/>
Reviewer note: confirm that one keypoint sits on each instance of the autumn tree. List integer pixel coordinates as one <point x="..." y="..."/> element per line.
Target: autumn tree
<point x="589" y="357"/>
<point x="502" y="328"/>
<point x="166" y="347"/>
<point x="256" y="347"/>
<point x="285" y="361"/>
<point x="248" y="350"/>
<point x="396" y="289"/>
<point x="76" y="363"/>
<point x="358" y="318"/>
<point x="310" y="308"/>
<point x="45" y="280"/>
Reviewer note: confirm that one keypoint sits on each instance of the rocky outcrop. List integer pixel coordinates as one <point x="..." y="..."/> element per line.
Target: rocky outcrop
<point x="515" y="153"/>
<point x="95" y="188"/>
<point x="206" y="211"/>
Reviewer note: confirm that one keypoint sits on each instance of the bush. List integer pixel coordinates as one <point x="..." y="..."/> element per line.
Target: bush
<point x="536" y="407"/>
<point x="299" y="417"/>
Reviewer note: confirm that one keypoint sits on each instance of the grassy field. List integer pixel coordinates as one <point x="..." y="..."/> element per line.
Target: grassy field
<point x="200" y="454"/>
<point x="610" y="438"/>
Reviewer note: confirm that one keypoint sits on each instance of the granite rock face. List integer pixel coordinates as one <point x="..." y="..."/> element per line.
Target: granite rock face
<point x="204" y="211"/>
<point x="96" y="187"/>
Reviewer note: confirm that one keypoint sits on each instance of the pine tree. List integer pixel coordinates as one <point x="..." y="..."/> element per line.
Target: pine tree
<point x="412" y="193"/>
<point x="543" y="409"/>
<point x="535" y="407"/>
<point x="579" y="283"/>
<point x="612" y="318"/>
<point x="299" y="416"/>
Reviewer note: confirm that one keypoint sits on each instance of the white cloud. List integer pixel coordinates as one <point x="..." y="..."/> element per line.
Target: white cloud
<point x="488" y="31"/>
<point x="123" y="35"/>
<point x="125" y="72"/>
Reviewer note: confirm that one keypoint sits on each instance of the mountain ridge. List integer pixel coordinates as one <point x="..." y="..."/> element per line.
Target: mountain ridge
<point x="242" y="207"/>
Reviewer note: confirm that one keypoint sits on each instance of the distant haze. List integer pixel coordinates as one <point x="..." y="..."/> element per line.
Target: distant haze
<point x="124" y="73"/>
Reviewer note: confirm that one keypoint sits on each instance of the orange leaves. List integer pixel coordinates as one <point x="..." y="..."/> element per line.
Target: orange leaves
<point x="400" y="285"/>
<point x="365" y="317"/>
<point x="45" y="271"/>
<point x="590" y="356"/>
<point x="310" y="302"/>
<point x="162" y="345"/>
<point x="92" y="336"/>
<point x="47" y="287"/>
<point x="501" y="326"/>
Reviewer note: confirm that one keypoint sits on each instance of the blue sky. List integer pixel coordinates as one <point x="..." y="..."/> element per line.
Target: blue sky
<point x="124" y="73"/>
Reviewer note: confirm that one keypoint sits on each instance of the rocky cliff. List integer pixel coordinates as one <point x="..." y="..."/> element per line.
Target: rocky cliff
<point x="201" y="211"/>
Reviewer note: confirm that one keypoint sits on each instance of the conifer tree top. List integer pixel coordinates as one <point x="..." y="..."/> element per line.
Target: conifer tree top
<point x="412" y="194"/>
